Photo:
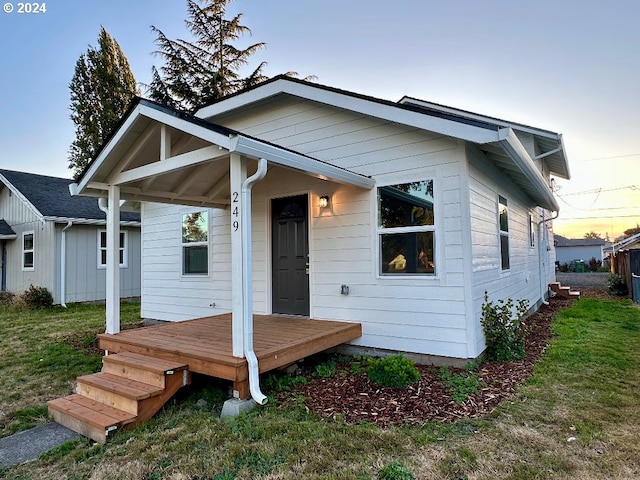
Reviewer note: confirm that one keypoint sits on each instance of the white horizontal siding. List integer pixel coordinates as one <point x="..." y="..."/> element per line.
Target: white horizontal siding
<point x="523" y="279"/>
<point x="419" y="314"/>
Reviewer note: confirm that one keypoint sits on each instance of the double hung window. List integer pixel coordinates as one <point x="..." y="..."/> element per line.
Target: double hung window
<point x="406" y="229"/>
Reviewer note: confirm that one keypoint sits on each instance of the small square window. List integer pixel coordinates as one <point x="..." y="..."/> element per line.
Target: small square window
<point x="102" y="249"/>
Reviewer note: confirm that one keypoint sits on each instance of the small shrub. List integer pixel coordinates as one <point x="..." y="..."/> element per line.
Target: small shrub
<point x="275" y="382"/>
<point x="6" y="298"/>
<point x="594" y="264"/>
<point x="395" y="471"/>
<point x="326" y="370"/>
<point x="460" y="385"/>
<point x="618" y="285"/>
<point x="563" y="267"/>
<point x="36" y="298"/>
<point x="395" y="371"/>
<point x="504" y="328"/>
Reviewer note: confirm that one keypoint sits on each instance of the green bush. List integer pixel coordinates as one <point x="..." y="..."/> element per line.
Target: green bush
<point x="395" y="471"/>
<point x="504" y="328"/>
<point x="395" y="371"/>
<point x="36" y="297"/>
<point x="460" y="385"/>
<point x="618" y="285"/>
<point x="594" y="264"/>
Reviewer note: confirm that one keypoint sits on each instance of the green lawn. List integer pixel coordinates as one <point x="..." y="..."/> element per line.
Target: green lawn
<point x="578" y="416"/>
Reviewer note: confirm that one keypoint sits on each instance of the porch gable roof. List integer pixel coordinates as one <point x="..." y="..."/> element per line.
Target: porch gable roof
<point x="138" y="157"/>
<point x="6" y="232"/>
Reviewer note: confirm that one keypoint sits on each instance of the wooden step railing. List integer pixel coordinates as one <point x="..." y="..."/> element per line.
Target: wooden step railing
<point x="130" y="389"/>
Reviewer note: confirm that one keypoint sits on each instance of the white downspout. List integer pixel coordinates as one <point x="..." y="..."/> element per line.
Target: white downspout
<point x="63" y="264"/>
<point x="543" y="282"/>
<point x="247" y="287"/>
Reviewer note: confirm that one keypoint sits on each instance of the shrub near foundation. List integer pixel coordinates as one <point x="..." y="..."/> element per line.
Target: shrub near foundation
<point x="36" y="298"/>
<point x="504" y="328"/>
<point x="395" y="371"/>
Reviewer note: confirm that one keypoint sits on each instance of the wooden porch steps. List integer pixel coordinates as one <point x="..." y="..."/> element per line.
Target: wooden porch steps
<point x="565" y="292"/>
<point x="130" y="389"/>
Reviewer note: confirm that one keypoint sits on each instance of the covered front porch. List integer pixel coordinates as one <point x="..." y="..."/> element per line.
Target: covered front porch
<point x="204" y="344"/>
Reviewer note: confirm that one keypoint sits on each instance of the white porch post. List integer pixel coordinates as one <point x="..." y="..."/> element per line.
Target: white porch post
<point x="237" y="174"/>
<point x="113" y="260"/>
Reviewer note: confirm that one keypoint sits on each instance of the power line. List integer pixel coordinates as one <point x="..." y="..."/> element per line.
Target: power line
<point x="598" y="218"/>
<point x="601" y="190"/>
<point x="614" y="157"/>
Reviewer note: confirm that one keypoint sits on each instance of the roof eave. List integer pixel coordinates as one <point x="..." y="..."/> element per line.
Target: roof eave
<point x="521" y="159"/>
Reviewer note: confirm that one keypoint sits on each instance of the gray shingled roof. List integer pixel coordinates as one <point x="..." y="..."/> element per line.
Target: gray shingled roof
<point x="561" y="241"/>
<point x="51" y="197"/>
<point x="5" y="229"/>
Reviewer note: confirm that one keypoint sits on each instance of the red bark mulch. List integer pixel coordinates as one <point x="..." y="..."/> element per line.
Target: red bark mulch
<point x="354" y="398"/>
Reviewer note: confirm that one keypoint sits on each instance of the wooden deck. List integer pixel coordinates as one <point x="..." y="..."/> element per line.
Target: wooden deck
<point x="204" y="344"/>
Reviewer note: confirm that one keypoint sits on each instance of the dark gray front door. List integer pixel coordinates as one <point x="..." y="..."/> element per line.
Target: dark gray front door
<point x="290" y="254"/>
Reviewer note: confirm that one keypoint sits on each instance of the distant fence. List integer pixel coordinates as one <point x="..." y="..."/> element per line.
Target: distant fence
<point x="635" y="287"/>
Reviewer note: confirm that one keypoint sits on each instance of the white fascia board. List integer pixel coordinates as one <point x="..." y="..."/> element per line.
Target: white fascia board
<point x="185" y="126"/>
<point x="285" y="158"/>
<point x="8" y="237"/>
<point x="516" y="151"/>
<point x="357" y="104"/>
<point x="482" y="118"/>
<point x="561" y="140"/>
<point x="18" y="194"/>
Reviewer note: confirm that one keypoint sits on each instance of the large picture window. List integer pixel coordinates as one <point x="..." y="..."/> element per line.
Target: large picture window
<point x="102" y="249"/>
<point x="406" y="229"/>
<point x="28" y="251"/>
<point x="503" y="220"/>
<point x="195" y="243"/>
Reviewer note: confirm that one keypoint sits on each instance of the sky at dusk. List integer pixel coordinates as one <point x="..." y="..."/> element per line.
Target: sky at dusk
<point x="570" y="66"/>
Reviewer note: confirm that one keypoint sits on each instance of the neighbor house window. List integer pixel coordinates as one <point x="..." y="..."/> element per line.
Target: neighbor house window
<point x="102" y="249"/>
<point x="28" y="251"/>
<point x="406" y="229"/>
<point x="503" y="219"/>
<point x="532" y="232"/>
<point x="195" y="243"/>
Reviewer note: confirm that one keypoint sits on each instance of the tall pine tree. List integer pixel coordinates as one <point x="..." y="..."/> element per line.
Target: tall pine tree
<point x="197" y="73"/>
<point x="101" y="89"/>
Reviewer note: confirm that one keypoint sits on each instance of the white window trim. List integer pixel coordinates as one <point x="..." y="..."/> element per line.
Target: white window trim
<point x="186" y="276"/>
<point x="32" y="251"/>
<point x="125" y="250"/>
<point x="503" y="233"/>
<point x="411" y="229"/>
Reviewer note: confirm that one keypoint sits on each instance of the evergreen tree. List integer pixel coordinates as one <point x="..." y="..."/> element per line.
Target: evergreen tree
<point x="101" y="90"/>
<point x="197" y="73"/>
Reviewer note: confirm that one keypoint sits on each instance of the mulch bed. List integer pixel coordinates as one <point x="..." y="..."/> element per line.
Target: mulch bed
<point x="354" y="399"/>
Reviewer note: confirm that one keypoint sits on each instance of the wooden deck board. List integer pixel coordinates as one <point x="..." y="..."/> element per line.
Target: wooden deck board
<point x="205" y="343"/>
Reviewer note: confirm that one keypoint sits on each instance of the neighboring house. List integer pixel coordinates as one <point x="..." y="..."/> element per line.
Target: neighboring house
<point x="398" y="216"/>
<point x="570" y="249"/>
<point x="51" y="239"/>
<point x="624" y="258"/>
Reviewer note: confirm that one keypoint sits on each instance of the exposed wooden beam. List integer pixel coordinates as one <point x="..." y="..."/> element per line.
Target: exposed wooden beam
<point x="165" y="142"/>
<point x="172" y="164"/>
<point x="133" y="151"/>
<point x="134" y="193"/>
<point x="147" y="182"/>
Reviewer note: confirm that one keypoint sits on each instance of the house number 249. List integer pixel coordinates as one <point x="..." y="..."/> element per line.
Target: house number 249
<point x="235" y="212"/>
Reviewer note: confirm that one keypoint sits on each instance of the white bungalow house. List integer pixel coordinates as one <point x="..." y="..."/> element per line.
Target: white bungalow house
<point x="50" y="239"/>
<point x="295" y="198"/>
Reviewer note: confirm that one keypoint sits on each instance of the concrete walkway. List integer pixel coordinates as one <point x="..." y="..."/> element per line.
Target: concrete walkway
<point x="30" y="444"/>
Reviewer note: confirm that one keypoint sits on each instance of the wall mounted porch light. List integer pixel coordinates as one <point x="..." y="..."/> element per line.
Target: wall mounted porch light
<point x="323" y="201"/>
